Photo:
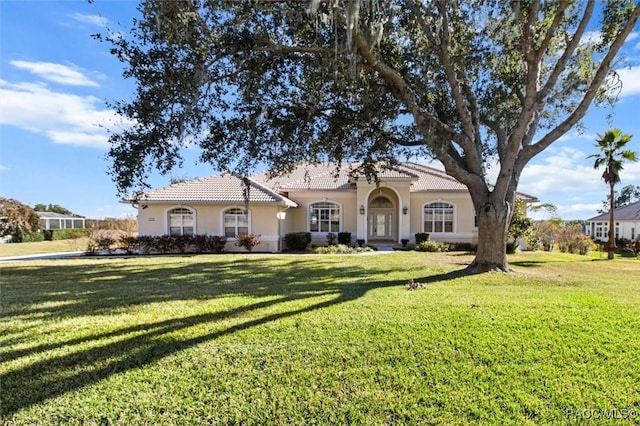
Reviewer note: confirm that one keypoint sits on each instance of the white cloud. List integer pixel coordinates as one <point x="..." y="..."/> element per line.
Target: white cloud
<point x="64" y="118"/>
<point x="564" y="172"/>
<point x="630" y="80"/>
<point x="3" y="168"/>
<point x="634" y="35"/>
<point x="567" y="179"/>
<point x="578" y="210"/>
<point x="56" y="73"/>
<point x="575" y="136"/>
<point x="96" y="20"/>
<point x="591" y="37"/>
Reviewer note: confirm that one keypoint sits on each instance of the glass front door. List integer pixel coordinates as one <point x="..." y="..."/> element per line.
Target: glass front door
<point x="381" y="224"/>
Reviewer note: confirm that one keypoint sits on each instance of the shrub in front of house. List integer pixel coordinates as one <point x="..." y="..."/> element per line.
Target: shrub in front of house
<point x="128" y="243"/>
<point x="344" y="238"/>
<point x="182" y="243"/>
<point x="341" y="249"/>
<point x="462" y="247"/>
<point x="209" y="244"/>
<point x="164" y="243"/>
<point x="421" y="237"/>
<point x="248" y="241"/>
<point x="332" y="239"/>
<point x="146" y="244"/>
<point x="297" y="241"/>
<point x="432" y="246"/>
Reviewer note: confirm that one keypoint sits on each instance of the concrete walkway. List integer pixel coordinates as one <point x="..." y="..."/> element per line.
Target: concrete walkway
<point x="59" y="255"/>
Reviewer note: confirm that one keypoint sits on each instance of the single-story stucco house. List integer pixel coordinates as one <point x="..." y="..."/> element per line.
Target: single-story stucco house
<point x="407" y="199"/>
<point x="627" y="223"/>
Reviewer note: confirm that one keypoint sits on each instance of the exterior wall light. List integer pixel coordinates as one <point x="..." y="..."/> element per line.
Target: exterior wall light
<point x="405" y="209"/>
<point x="361" y="209"/>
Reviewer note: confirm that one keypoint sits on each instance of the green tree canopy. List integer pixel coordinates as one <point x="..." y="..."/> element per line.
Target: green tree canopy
<point x="277" y="83"/>
<point x="54" y="208"/>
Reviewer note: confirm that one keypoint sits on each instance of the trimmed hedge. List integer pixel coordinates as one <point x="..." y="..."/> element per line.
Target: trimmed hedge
<point x="36" y="237"/>
<point x="65" y="234"/>
<point x="432" y="246"/>
<point x="146" y="244"/>
<point x="344" y="238"/>
<point x="421" y="237"/>
<point x="297" y="241"/>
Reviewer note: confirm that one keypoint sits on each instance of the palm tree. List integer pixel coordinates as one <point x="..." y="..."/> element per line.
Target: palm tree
<point x="612" y="155"/>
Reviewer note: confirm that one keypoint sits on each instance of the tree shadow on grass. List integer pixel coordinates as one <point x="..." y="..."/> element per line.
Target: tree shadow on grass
<point x="98" y="292"/>
<point x="447" y="276"/>
<point x="529" y="263"/>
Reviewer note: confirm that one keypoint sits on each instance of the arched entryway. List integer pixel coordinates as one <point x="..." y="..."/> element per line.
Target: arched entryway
<point x="382" y="218"/>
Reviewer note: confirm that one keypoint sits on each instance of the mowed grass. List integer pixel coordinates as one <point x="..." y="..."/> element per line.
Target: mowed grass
<point x="43" y="247"/>
<point x="276" y="339"/>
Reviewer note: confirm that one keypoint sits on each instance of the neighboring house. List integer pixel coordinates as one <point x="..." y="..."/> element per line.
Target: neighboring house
<point x="51" y="220"/>
<point x="627" y="223"/>
<point x="408" y="199"/>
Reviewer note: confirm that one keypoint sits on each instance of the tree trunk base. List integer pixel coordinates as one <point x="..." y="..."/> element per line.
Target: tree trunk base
<point x="477" y="267"/>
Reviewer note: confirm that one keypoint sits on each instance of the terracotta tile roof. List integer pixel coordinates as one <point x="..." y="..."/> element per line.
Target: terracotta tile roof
<point x="628" y="212"/>
<point x="430" y="179"/>
<point x="229" y="187"/>
<point x="220" y="189"/>
<point x="323" y="176"/>
<point x="386" y="172"/>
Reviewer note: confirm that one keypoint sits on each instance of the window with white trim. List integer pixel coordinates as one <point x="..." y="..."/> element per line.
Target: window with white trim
<point x="236" y="222"/>
<point x="438" y="217"/>
<point x="602" y="230"/>
<point x="324" y="217"/>
<point x="181" y="221"/>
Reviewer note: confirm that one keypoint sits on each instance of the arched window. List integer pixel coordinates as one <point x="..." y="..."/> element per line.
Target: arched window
<point x="236" y="222"/>
<point x="324" y="217"/>
<point x="381" y="203"/>
<point x="438" y="217"/>
<point x="181" y="221"/>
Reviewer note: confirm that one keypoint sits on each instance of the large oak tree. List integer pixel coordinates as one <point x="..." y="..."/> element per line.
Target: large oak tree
<point x="469" y="82"/>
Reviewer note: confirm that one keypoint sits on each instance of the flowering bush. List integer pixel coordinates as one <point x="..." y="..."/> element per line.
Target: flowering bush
<point x="248" y="241"/>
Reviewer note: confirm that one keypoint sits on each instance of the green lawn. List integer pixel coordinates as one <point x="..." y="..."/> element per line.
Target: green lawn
<point x="44" y="247"/>
<point x="269" y="339"/>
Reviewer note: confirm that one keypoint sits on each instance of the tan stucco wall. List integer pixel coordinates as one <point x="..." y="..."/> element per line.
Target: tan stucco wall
<point x="298" y="218"/>
<point x="209" y="220"/>
<point x="464" y="230"/>
<point x="263" y="218"/>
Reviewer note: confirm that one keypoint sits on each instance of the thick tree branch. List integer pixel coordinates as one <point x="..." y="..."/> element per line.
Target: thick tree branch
<point x="454" y="83"/>
<point x="569" y="51"/>
<point x="453" y="163"/>
<point x="555" y="23"/>
<point x="468" y="141"/>
<point x="602" y="72"/>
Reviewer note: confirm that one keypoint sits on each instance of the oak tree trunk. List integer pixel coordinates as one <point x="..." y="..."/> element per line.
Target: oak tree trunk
<point x="493" y="223"/>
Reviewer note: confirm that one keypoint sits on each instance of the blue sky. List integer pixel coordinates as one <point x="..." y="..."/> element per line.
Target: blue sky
<point x="55" y="81"/>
